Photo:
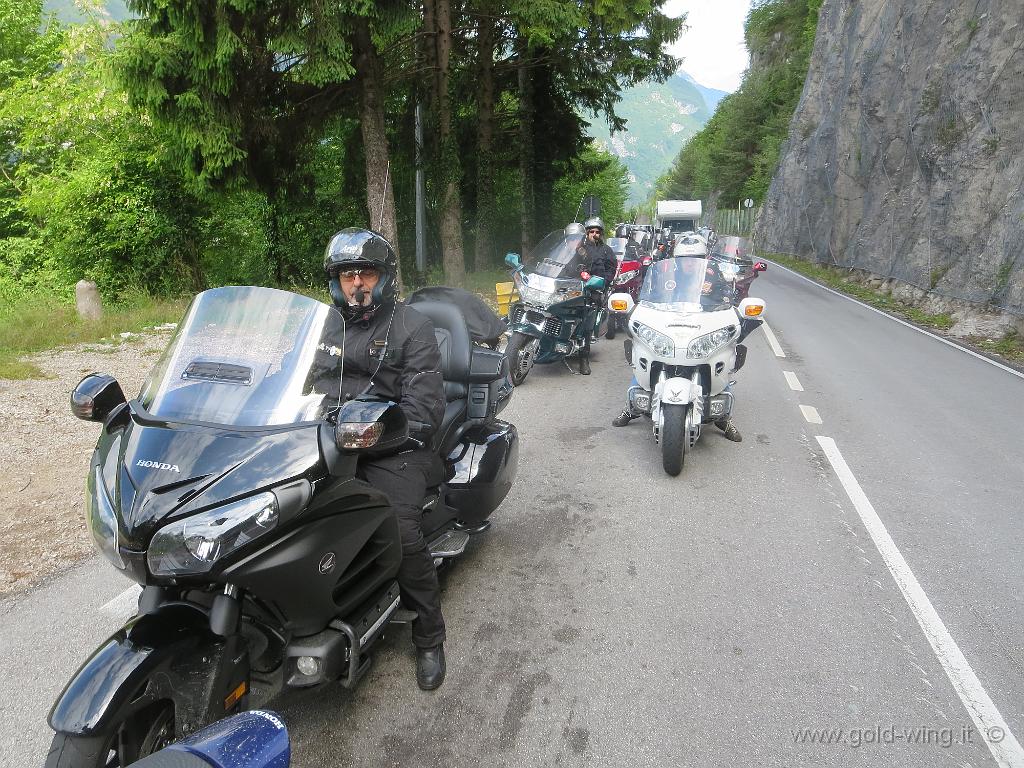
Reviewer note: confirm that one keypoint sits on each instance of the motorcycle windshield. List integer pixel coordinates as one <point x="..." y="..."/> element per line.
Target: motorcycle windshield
<point x="618" y="245"/>
<point x="686" y="284"/>
<point x="555" y="256"/>
<point x="249" y="357"/>
<point x="734" y="249"/>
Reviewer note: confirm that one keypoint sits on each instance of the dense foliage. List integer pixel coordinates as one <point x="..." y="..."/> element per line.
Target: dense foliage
<point x="223" y="142"/>
<point x="735" y="155"/>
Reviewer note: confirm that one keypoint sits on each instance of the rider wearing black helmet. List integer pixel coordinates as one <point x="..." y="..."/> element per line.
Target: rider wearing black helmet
<point x="390" y="350"/>
<point x="598" y="259"/>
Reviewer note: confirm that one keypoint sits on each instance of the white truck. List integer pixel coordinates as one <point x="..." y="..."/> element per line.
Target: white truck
<point x="678" y="215"/>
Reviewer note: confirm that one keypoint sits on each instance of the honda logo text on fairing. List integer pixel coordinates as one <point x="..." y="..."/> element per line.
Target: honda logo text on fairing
<point x="157" y="465"/>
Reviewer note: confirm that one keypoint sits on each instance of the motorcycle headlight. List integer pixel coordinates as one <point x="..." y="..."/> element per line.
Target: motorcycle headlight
<point x="659" y="342"/>
<point x="193" y="545"/>
<point x="704" y="345"/>
<point x="536" y="296"/>
<point x="101" y="518"/>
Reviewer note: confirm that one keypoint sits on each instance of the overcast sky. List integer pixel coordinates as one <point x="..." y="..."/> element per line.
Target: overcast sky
<point x="713" y="47"/>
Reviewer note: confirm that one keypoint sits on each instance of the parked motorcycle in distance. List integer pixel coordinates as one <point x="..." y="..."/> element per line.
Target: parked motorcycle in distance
<point x="628" y="278"/>
<point x="684" y="348"/>
<point x="735" y="258"/>
<point x="256" y="739"/>
<point x="556" y="309"/>
<point x="228" y="490"/>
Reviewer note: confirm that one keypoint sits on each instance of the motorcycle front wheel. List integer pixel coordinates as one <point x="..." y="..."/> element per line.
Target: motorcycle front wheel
<point x="673" y="438"/>
<point x="520" y="353"/>
<point x="612" y="325"/>
<point x="144" y="733"/>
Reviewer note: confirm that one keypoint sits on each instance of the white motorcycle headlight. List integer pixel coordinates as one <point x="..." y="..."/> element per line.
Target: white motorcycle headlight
<point x="193" y="545"/>
<point x="659" y="342"/>
<point x="535" y="296"/>
<point x="705" y="345"/>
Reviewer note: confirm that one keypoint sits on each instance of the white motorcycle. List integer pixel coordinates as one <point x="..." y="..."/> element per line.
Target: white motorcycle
<point x="684" y="347"/>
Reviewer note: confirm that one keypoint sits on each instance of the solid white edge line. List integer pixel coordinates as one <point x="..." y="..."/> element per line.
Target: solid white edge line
<point x="793" y="381"/>
<point x="993" y="728"/>
<point x="124" y="603"/>
<point x="810" y="414"/>
<point x="772" y="341"/>
<point x="935" y="336"/>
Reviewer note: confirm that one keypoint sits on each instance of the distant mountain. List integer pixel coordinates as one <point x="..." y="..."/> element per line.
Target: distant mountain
<point x="660" y="117"/>
<point x="67" y="11"/>
<point x="711" y="95"/>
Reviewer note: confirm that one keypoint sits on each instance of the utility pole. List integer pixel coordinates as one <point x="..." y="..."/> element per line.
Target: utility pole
<point x="421" y="203"/>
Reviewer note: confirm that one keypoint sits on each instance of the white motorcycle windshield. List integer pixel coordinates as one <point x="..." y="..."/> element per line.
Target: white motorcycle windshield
<point x="249" y="357"/>
<point x="686" y="284"/>
<point x="555" y="256"/>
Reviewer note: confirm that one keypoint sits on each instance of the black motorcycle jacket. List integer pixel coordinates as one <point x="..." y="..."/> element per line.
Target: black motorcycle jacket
<point x="598" y="259"/>
<point x="392" y="354"/>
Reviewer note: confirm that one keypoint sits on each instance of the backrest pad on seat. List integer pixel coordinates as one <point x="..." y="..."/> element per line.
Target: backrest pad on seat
<point x="452" y="338"/>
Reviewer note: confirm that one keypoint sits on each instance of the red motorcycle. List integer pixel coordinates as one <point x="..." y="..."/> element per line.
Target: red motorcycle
<point x="734" y="256"/>
<point x="629" y="276"/>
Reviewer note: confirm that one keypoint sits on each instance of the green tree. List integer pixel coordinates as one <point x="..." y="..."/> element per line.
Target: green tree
<point x="594" y="172"/>
<point x="91" y="180"/>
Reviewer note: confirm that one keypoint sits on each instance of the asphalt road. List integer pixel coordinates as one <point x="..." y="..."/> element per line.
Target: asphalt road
<point x="616" y="616"/>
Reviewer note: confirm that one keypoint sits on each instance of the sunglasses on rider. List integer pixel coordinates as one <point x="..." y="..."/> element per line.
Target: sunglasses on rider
<point x="365" y="272"/>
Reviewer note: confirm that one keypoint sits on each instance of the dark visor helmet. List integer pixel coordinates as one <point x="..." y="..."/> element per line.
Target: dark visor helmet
<point x="355" y="248"/>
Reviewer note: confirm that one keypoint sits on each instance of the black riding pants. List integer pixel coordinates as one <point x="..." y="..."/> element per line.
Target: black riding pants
<point x="403" y="478"/>
<point x="596" y="301"/>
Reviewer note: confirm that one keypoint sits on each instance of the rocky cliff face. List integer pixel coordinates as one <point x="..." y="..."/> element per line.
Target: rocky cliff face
<point x="904" y="157"/>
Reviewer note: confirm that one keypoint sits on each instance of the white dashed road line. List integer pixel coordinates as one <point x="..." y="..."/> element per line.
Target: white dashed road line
<point x="772" y="341"/>
<point x="793" y="381"/>
<point x="993" y="728"/>
<point x="811" y="414"/>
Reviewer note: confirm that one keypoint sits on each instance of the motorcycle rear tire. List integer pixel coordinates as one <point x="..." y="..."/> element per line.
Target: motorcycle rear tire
<point x="673" y="438"/>
<point x="514" y="351"/>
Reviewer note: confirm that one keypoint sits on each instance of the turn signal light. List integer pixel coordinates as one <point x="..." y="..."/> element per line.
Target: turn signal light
<point x="619" y="305"/>
<point x="754" y="310"/>
<point x="359" y="435"/>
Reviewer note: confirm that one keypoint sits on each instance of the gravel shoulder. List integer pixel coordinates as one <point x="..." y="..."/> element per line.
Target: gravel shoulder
<point x="45" y="454"/>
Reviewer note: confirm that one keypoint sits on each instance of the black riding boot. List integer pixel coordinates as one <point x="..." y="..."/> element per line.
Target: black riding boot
<point x="585" y="358"/>
<point x="731" y="433"/>
<point x="625" y="417"/>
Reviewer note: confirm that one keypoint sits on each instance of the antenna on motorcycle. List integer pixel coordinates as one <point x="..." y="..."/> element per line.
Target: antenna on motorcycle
<point x="591" y="205"/>
<point x="383" y="196"/>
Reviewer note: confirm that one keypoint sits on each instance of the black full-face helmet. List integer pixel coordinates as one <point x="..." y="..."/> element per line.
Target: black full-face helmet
<point x="355" y="248"/>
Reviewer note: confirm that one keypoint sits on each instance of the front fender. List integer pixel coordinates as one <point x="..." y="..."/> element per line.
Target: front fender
<point x="676" y="391"/>
<point x="167" y="655"/>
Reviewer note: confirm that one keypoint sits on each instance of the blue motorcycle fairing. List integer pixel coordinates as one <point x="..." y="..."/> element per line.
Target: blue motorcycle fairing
<point x="256" y="739"/>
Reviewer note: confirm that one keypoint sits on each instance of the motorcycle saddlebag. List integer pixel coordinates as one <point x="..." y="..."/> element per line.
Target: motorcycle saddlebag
<point x="484" y="463"/>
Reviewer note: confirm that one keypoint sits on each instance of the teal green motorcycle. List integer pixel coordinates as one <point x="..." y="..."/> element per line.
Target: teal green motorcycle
<point x="557" y="304"/>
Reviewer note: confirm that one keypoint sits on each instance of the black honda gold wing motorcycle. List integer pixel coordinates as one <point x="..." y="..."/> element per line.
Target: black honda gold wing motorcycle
<point x="228" y="491"/>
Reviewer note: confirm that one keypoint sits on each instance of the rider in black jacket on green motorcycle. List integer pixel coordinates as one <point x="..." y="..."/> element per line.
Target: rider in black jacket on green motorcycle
<point x="598" y="260"/>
